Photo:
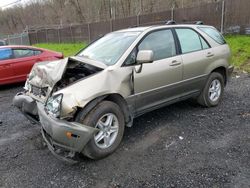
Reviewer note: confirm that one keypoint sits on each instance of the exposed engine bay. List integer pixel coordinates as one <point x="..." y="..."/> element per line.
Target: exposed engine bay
<point x="75" y="71"/>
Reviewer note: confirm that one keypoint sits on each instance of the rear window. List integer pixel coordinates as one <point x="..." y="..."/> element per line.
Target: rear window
<point x="19" y="53"/>
<point x="214" y="34"/>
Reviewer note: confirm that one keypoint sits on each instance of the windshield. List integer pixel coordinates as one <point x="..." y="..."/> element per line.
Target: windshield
<point x="110" y="48"/>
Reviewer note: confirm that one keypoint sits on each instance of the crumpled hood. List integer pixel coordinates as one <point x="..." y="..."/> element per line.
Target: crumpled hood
<point x="47" y="74"/>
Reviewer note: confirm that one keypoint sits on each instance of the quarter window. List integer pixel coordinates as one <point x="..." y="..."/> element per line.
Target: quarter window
<point x="214" y="34"/>
<point x="161" y="43"/>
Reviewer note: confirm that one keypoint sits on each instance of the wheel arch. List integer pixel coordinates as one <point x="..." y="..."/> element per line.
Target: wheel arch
<point x="223" y="71"/>
<point x="113" y="97"/>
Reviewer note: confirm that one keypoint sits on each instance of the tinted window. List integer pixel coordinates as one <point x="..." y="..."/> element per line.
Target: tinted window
<point x="189" y="40"/>
<point x="161" y="43"/>
<point x="18" y="53"/>
<point x="214" y="34"/>
<point x="5" y="53"/>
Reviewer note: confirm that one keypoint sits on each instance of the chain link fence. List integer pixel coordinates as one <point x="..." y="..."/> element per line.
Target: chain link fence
<point x="228" y="16"/>
<point x="17" y="39"/>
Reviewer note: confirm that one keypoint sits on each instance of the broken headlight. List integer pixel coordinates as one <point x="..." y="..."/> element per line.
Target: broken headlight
<point x="53" y="105"/>
<point x="27" y="86"/>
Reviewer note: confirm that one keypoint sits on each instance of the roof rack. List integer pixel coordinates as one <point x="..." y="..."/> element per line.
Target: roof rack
<point x="199" y="23"/>
<point x="170" y="22"/>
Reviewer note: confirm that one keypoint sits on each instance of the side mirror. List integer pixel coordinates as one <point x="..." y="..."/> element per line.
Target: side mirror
<point x="145" y="56"/>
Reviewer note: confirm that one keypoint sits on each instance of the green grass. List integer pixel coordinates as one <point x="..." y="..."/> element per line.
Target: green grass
<point x="240" y="46"/>
<point x="68" y="49"/>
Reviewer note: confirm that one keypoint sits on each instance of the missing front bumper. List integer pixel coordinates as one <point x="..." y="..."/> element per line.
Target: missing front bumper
<point x="70" y="136"/>
<point x="27" y="106"/>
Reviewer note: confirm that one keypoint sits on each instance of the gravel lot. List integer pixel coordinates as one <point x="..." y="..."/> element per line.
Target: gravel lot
<point x="183" y="145"/>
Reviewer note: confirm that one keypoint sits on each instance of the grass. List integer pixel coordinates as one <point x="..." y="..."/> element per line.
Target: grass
<point x="239" y="44"/>
<point x="240" y="47"/>
<point x="68" y="49"/>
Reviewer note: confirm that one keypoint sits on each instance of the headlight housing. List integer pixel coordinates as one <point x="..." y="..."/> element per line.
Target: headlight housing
<point x="53" y="105"/>
<point x="27" y="86"/>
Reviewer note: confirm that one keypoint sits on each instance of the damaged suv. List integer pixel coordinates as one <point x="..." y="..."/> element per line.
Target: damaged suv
<point x="84" y="102"/>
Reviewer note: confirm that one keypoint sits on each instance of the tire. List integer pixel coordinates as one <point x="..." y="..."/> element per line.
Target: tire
<point x="211" y="96"/>
<point x="102" y="114"/>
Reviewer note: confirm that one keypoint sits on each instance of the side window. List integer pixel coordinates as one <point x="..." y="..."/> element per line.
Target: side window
<point x="5" y="53"/>
<point x="37" y="52"/>
<point x="204" y="43"/>
<point x="131" y="59"/>
<point x="189" y="40"/>
<point x="214" y="34"/>
<point x="19" y="53"/>
<point x="161" y="43"/>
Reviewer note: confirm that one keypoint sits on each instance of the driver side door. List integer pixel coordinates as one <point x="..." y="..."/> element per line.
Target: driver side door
<point x="157" y="84"/>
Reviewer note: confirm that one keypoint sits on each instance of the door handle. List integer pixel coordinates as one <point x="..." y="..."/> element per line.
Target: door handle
<point x="210" y="54"/>
<point x="175" y="63"/>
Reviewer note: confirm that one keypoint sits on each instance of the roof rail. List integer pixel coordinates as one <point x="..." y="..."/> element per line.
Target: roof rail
<point x="170" y="22"/>
<point x="199" y="23"/>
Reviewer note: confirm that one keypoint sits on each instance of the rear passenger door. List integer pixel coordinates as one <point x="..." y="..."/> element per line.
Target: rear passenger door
<point x="196" y="57"/>
<point x="157" y="82"/>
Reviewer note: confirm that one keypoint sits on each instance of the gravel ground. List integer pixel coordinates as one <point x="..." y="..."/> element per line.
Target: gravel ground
<point x="183" y="145"/>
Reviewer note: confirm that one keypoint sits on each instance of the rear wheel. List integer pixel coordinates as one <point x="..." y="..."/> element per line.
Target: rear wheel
<point x="212" y="93"/>
<point x="109" y="119"/>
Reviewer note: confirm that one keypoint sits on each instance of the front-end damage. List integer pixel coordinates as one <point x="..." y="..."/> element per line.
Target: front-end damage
<point x="64" y="138"/>
<point x="78" y="80"/>
<point x="46" y="78"/>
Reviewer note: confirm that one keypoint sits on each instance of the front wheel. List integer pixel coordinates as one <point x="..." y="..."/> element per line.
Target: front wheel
<point x="109" y="119"/>
<point x="212" y="93"/>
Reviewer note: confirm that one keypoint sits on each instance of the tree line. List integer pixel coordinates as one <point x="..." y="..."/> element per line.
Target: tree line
<point x="44" y="13"/>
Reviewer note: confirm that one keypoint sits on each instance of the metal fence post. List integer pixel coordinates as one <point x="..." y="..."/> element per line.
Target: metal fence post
<point x="222" y="17"/>
<point x="138" y="20"/>
<point x="71" y="33"/>
<point x="89" y="32"/>
<point x="21" y="38"/>
<point x="111" y="25"/>
<point x="46" y="35"/>
<point x="172" y="13"/>
<point x="37" y="37"/>
<point x="58" y="33"/>
<point x="8" y="39"/>
<point x="28" y="38"/>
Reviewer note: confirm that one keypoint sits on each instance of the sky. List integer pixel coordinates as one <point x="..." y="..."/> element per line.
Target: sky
<point x="3" y="3"/>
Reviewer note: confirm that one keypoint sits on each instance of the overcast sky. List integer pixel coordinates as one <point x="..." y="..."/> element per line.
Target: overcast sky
<point x="3" y="3"/>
